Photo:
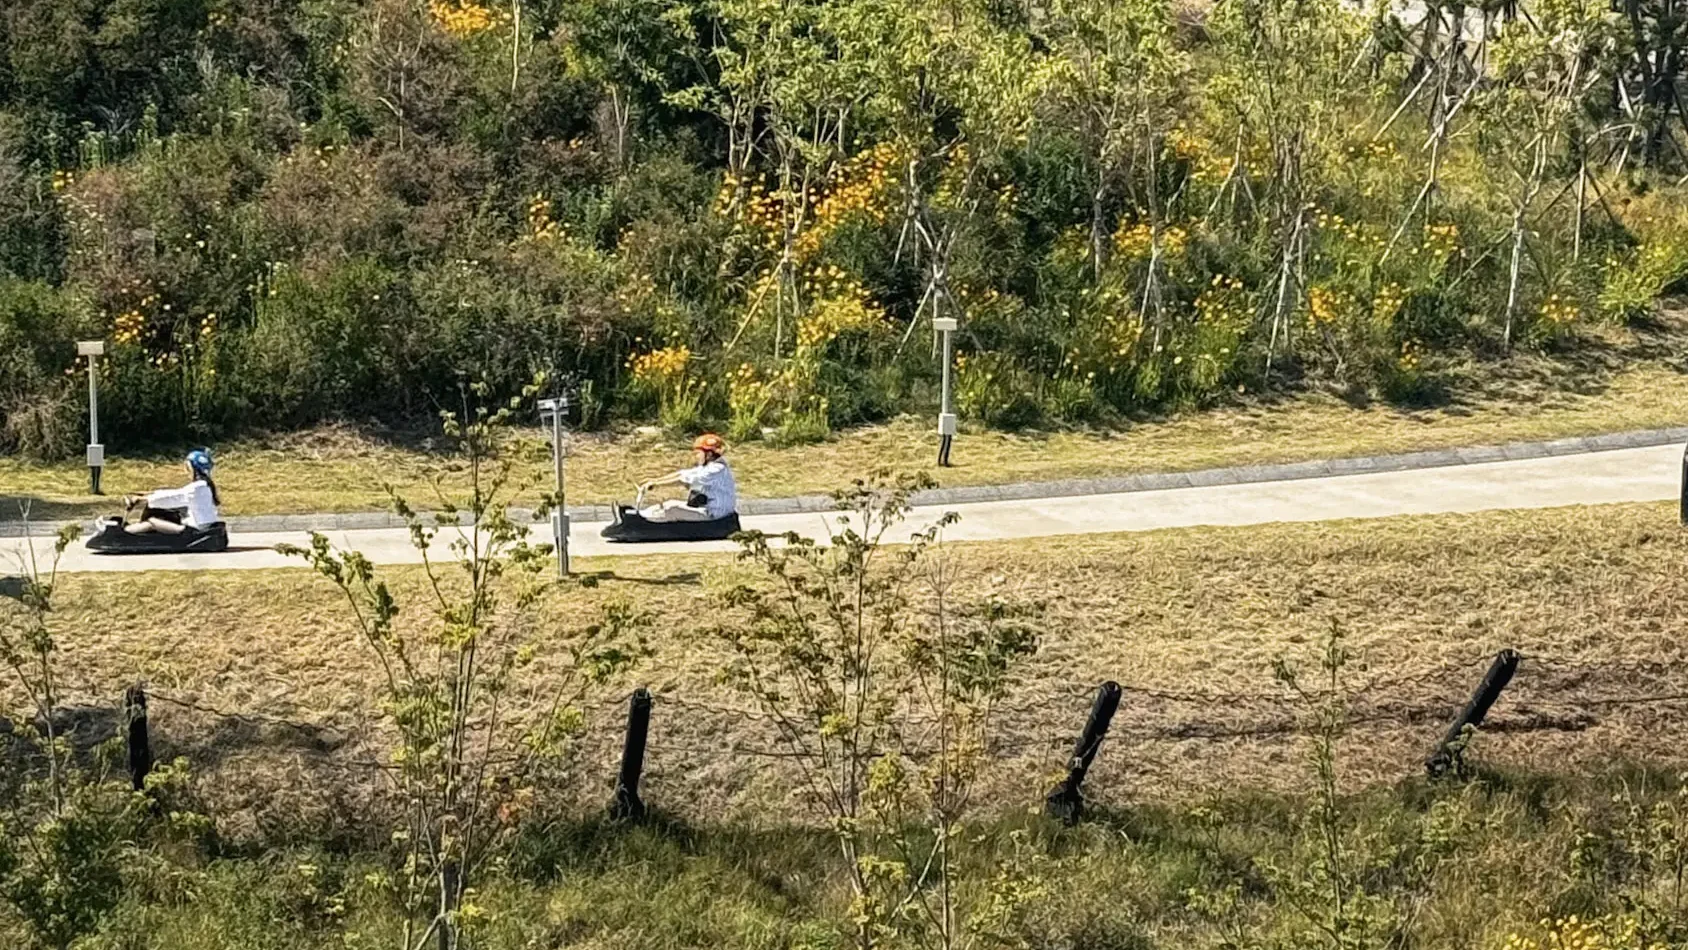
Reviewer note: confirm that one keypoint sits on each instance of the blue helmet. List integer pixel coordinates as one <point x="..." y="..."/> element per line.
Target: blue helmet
<point x="200" y="461"/>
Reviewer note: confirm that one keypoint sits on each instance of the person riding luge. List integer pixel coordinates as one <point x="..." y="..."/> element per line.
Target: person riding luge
<point x="711" y="492"/>
<point x="170" y="520"/>
<point x="174" y="510"/>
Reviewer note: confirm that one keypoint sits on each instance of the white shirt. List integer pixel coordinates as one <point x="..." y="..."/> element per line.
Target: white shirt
<point x="714" y="480"/>
<point x="194" y="496"/>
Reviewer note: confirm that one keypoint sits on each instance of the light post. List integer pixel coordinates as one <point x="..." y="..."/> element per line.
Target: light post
<point x="554" y="411"/>
<point x="93" y="349"/>
<point x="946" y="417"/>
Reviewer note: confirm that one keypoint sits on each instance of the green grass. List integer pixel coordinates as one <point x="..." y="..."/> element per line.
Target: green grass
<point x="1125" y="879"/>
<point x="1617" y="380"/>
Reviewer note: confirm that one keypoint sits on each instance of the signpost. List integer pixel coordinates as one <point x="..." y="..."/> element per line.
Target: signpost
<point x="946" y="417"/>
<point x="93" y="350"/>
<point x="553" y="411"/>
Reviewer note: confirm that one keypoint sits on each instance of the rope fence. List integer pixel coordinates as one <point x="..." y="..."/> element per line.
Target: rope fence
<point x="1070" y="725"/>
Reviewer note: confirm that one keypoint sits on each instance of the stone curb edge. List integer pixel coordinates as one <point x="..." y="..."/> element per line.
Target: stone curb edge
<point x="1026" y="491"/>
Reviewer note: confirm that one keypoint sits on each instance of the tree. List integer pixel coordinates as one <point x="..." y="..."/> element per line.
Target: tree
<point x="405" y="69"/>
<point x="884" y="706"/>
<point x="629" y="46"/>
<point x="955" y="90"/>
<point x="1115" y="82"/>
<point x="1545" y="67"/>
<point x="460" y="765"/>
<point x="1284" y="78"/>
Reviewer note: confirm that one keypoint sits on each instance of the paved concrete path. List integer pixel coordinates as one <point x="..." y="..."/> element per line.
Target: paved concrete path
<point x="1591" y="478"/>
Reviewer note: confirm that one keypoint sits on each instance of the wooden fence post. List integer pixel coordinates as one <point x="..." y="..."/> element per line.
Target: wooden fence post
<point x="1066" y="802"/>
<point x="627" y="804"/>
<point x="1451" y="749"/>
<point x="136" y="737"/>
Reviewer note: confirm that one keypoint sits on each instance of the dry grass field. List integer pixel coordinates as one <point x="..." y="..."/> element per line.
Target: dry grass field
<point x="260" y="680"/>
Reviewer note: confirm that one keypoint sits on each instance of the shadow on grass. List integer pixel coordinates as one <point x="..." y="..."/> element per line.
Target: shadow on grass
<point x="688" y="578"/>
<point x="19" y="508"/>
<point x="550" y="850"/>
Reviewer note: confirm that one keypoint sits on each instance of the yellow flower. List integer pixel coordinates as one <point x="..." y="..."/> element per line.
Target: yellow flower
<point x="661" y="366"/>
<point x="465" y="19"/>
<point x="1325" y="306"/>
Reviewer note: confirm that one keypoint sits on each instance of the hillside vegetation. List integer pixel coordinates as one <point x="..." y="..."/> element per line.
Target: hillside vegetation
<point x="743" y="213"/>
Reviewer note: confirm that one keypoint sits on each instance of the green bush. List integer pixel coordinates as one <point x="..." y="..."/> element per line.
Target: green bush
<point x="323" y="341"/>
<point x="41" y="406"/>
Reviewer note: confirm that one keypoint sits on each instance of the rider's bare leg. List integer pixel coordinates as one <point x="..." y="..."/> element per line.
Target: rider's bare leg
<point x="674" y="511"/>
<point x="150" y="525"/>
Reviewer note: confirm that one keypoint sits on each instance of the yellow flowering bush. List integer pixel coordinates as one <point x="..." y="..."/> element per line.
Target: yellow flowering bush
<point x="1327" y="306"/>
<point x="1207" y="165"/>
<point x="541" y="226"/>
<point x="660" y="368"/>
<point x="1441" y="240"/>
<point x="126" y="327"/>
<point x="1611" y="932"/>
<point x="465" y="19"/>
<point x="859" y="190"/>
<point x="1412" y="356"/>
<point x="845" y="306"/>
<point x="1111" y="342"/>
<point x="749" y="397"/>
<point x="1635" y="280"/>
<point x="1557" y="309"/>
<point x="1223" y="313"/>
<point x="1136" y="242"/>
<point x="1387" y="302"/>
<point x="664" y="374"/>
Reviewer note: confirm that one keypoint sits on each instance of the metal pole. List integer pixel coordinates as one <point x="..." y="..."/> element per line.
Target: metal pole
<point x="559" y="516"/>
<point x="946" y="417"/>
<point x="628" y="804"/>
<point x="138" y="740"/>
<point x="93" y="401"/>
<point x="96" y="452"/>
<point x="1066" y="802"/>
<point x="1451" y="750"/>
<point x="1684" y="509"/>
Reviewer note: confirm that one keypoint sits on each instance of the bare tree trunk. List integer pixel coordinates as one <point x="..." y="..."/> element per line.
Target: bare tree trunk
<point x="1098" y="245"/>
<point x="1280" y="311"/>
<point x="516" y="47"/>
<point x="1517" y="264"/>
<point x="619" y="115"/>
<point x="1532" y="184"/>
<point x="1582" y="204"/>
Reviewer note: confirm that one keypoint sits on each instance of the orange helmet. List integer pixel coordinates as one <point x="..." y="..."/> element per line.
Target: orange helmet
<point x="710" y="442"/>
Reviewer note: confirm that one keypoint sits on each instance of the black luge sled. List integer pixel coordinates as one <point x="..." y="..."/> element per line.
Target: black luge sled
<point x="631" y="527"/>
<point x="110" y="538"/>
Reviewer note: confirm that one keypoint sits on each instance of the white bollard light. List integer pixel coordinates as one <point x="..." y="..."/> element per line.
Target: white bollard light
<point x="93" y="350"/>
<point x="946" y="415"/>
<point x="553" y="411"/>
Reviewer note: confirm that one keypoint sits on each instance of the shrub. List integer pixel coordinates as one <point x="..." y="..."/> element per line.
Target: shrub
<point x="325" y="341"/>
<point x="40" y="410"/>
<point x="993" y="389"/>
<point x="1637" y="278"/>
